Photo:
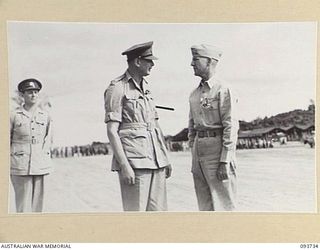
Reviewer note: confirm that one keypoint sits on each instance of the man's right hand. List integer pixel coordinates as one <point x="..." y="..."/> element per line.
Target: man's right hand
<point x="127" y="174"/>
<point x="126" y="171"/>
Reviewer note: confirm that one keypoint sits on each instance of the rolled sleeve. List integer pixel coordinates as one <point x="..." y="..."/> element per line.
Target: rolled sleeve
<point x="230" y="125"/>
<point x="113" y="103"/>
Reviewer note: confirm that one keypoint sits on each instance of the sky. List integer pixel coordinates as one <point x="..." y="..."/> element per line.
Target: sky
<point x="270" y="67"/>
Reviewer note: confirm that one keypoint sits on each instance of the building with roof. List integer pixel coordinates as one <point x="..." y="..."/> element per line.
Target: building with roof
<point x="254" y="138"/>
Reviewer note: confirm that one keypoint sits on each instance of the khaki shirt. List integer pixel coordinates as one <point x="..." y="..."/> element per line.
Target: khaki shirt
<point x="212" y="106"/>
<point x="134" y="109"/>
<point x="30" y="142"/>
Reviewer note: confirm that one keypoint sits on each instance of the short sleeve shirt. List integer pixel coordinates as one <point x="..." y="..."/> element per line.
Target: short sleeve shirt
<point x="30" y="142"/>
<point x="126" y="102"/>
<point x="133" y="107"/>
<point x="212" y="106"/>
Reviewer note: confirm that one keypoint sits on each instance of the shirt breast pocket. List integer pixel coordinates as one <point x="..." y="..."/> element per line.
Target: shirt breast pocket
<point x="21" y="127"/>
<point x="130" y="104"/>
<point x="40" y="126"/>
<point x="210" y="109"/>
<point x="134" y="106"/>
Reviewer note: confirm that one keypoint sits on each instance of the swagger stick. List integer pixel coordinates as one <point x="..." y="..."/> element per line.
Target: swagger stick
<point x="166" y="108"/>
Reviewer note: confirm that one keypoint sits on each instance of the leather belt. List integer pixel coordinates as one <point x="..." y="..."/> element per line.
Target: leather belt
<point x="29" y="141"/>
<point x="136" y="125"/>
<point x="209" y="133"/>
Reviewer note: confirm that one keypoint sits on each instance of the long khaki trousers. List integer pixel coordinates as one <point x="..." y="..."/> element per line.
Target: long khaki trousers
<point x="29" y="192"/>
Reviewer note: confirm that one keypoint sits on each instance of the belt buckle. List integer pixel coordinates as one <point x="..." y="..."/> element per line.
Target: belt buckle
<point x="149" y="126"/>
<point x="33" y="141"/>
<point x="202" y="134"/>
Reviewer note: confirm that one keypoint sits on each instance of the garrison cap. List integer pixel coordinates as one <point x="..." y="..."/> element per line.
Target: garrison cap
<point x="205" y="50"/>
<point x="29" y="84"/>
<point x="143" y="50"/>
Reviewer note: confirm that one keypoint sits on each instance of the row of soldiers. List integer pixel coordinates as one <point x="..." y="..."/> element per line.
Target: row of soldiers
<point x="84" y="150"/>
<point x="251" y="143"/>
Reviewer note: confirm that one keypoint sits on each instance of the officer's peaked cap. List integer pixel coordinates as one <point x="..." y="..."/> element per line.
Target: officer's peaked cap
<point x="29" y="84"/>
<point x="143" y="50"/>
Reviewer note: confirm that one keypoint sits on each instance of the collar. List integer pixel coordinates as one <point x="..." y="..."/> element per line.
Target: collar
<point x="23" y="111"/>
<point x="211" y="82"/>
<point x="129" y="77"/>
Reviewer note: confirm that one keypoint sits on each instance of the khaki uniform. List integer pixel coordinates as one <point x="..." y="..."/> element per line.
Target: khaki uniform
<point x="30" y="142"/>
<point x="142" y="142"/>
<point x="212" y="134"/>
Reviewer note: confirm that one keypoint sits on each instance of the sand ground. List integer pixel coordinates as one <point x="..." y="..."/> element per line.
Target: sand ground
<point x="281" y="179"/>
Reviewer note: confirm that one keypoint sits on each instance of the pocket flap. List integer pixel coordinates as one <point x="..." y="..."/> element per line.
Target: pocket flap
<point x="133" y="97"/>
<point x="214" y="103"/>
<point x="132" y="133"/>
<point x="20" y="149"/>
<point x="40" y="121"/>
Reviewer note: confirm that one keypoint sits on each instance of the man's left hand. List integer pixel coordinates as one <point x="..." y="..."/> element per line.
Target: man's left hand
<point x="223" y="171"/>
<point x="168" y="171"/>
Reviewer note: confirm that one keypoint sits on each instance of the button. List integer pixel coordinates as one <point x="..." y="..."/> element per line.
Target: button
<point x="32" y="136"/>
<point x="32" y="128"/>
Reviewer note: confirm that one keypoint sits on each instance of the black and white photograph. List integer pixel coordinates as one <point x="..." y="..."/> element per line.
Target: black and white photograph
<point x="162" y="117"/>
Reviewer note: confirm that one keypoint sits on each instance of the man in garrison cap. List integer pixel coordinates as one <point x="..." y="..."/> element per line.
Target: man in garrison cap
<point x="140" y="155"/>
<point x="213" y="129"/>
<point x="30" y="144"/>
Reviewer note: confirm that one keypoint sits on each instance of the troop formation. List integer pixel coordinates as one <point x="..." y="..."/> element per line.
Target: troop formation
<point x="140" y="156"/>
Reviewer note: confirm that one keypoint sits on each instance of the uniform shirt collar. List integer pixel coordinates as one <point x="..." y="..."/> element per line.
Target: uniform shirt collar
<point x="211" y="82"/>
<point x="22" y="110"/>
<point x="129" y="77"/>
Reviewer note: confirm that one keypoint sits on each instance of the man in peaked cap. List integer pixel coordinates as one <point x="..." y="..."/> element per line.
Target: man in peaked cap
<point x="213" y="129"/>
<point x="140" y="156"/>
<point x="30" y="144"/>
<point x="29" y="84"/>
<point x="143" y="51"/>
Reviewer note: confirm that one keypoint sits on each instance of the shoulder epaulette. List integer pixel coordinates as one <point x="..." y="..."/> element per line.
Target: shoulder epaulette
<point x="118" y="79"/>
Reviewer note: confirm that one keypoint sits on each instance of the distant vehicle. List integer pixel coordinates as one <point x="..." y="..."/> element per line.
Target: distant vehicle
<point x="309" y="139"/>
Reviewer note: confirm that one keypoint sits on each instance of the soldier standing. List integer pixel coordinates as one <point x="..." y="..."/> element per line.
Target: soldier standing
<point x="140" y="154"/>
<point x="212" y="134"/>
<point x="30" y="144"/>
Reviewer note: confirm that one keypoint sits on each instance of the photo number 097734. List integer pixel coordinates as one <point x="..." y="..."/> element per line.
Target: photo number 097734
<point x="309" y="246"/>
